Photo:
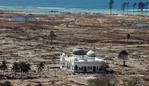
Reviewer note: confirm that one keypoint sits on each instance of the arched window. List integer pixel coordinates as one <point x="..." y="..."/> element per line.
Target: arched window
<point x="85" y="69"/>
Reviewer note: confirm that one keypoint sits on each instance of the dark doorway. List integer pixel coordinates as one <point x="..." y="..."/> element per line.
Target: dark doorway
<point x="76" y="68"/>
<point x="94" y="69"/>
<point x="85" y="69"/>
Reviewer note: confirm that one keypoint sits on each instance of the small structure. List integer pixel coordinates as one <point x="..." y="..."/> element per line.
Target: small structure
<point x="30" y="18"/>
<point x="136" y="24"/>
<point x="16" y="18"/>
<point x="22" y="18"/>
<point x="82" y="61"/>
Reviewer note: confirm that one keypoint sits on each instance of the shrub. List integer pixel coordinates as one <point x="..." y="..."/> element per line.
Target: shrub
<point x="6" y="83"/>
<point x="3" y="66"/>
<point x="52" y="36"/>
<point x="135" y="81"/>
<point x="21" y="67"/>
<point x="41" y="66"/>
<point x="102" y="81"/>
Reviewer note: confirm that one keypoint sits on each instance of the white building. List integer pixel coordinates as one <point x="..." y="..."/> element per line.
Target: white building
<point x="82" y="61"/>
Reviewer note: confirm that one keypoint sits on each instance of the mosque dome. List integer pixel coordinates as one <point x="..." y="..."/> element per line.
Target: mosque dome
<point x="79" y="51"/>
<point x="91" y="53"/>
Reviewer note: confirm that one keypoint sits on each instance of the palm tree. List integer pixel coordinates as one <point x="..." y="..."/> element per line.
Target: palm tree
<point x="24" y="67"/>
<point x="52" y="36"/>
<point x="127" y="6"/>
<point x="3" y="66"/>
<point x="124" y="56"/>
<point x="123" y="7"/>
<point x="111" y="2"/>
<point x="141" y="6"/>
<point x="134" y="6"/>
<point x="15" y="67"/>
<point x="21" y="67"/>
<point x="128" y="36"/>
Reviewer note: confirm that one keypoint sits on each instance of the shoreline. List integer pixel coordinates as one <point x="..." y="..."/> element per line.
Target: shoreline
<point x="58" y="10"/>
<point x="63" y="13"/>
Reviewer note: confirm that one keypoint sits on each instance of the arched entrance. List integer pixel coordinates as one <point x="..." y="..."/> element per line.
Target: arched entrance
<point x="94" y="69"/>
<point x="76" y="68"/>
<point x="85" y="69"/>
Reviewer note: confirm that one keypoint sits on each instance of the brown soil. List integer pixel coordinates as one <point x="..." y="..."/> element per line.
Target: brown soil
<point x="28" y="42"/>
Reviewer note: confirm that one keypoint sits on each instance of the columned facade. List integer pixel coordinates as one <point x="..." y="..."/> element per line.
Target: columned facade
<point x="81" y="62"/>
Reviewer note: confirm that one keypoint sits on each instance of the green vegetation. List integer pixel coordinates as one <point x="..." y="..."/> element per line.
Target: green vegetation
<point x="133" y="81"/>
<point x="21" y="67"/>
<point x="52" y="36"/>
<point x="102" y="81"/>
<point x="134" y="7"/>
<point x="111" y="2"/>
<point x="25" y="67"/>
<point x="6" y="83"/>
<point x="16" y="67"/>
<point x="3" y="66"/>
<point x="40" y="66"/>
<point x="113" y="81"/>
<point x="141" y="6"/>
<point x="128" y="36"/>
<point x="125" y="6"/>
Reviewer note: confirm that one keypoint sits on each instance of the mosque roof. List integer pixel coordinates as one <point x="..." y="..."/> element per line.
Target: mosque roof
<point x="91" y="53"/>
<point x="79" y="51"/>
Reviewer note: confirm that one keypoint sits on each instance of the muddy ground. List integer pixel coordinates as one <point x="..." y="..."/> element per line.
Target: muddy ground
<point x="28" y="42"/>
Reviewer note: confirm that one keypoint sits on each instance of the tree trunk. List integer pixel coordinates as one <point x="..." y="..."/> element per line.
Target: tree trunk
<point x="51" y="41"/>
<point x="4" y="73"/>
<point x="133" y="11"/>
<point x="142" y="11"/>
<point x="127" y="10"/>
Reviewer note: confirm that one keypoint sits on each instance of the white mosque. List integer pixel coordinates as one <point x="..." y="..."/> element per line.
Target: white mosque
<point x="82" y="61"/>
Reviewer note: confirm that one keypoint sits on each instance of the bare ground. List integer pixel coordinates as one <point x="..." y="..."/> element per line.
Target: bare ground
<point x="28" y="42"/>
